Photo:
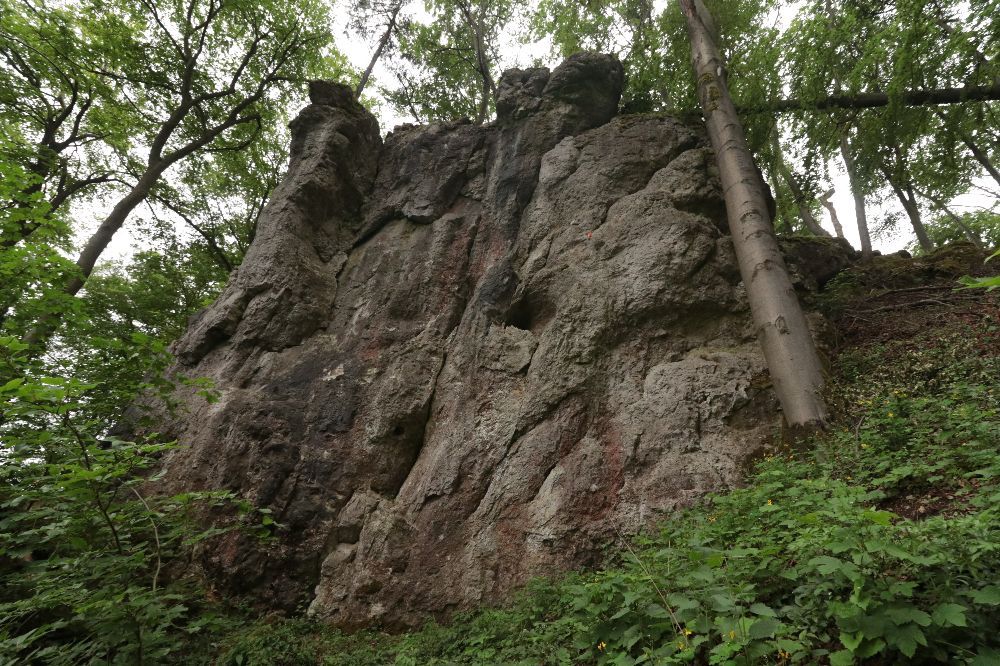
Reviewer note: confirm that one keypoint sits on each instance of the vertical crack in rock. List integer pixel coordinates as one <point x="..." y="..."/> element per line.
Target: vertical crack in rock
<point x="427" y="422"/>
<point x="452" y="360"/>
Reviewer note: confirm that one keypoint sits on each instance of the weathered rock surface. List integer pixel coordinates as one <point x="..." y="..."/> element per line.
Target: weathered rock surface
<point x="472" y="354"/>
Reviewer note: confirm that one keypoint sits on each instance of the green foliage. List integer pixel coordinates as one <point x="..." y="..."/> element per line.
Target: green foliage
<point x="982" y="227"/>
<point x="880" y="542"/>
<point x="988" y="283"/>
<point x="919" y="155"/>
<point x="101" y="98"/>
<point x="83" y="549"/>
<point x="448" y="69"/>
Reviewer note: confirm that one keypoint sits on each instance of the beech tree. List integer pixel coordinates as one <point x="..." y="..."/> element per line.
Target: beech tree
<point x="800" y="199"/>
<point x="781" y="325"/>
<point x="385" y="17"/>
<point x="198" y="93"/>
<point x="54" y="111"/>
<point x="856" y="70"/>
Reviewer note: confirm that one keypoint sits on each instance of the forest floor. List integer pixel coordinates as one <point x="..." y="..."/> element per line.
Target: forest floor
<point x="877" y="542"/>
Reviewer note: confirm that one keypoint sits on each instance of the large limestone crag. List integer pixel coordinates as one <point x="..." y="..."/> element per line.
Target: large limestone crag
<point x="472" y="354"/>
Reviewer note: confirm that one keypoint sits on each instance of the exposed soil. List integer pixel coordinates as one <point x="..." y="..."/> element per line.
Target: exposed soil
<point x="929" y="502"/>
<point x="899" y="298"/>
<point x="905" y="301"/>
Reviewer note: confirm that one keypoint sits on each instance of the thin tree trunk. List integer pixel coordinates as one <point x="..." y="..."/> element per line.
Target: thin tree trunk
<point x="981" y="157"/>
<point x="475" y="24"/>
<point x="904" y="192"/>
<point x="913" y="212"/>
<point x="96" y="245"/>
<point x="101" y="238"/>
<point x="970" y="235"/>
<point x="824" y="200"/>
<point x="800" y="198"/>
<point x="974" y="148"/>
<point x="859" y="197"/>
<point x="781" y="326"/>
<point x="386" y="36"/>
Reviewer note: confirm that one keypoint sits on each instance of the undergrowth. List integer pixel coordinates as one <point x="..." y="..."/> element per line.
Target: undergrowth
<point x="878" y="543"/>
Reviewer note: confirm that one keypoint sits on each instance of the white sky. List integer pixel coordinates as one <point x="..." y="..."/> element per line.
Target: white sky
<point x="359" y="51"/>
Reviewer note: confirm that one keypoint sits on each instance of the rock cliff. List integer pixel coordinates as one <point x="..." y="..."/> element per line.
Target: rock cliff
<point x="469" y="355"/>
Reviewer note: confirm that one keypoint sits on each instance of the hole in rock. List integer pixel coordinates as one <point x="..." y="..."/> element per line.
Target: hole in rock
<point x="529" y="313"/>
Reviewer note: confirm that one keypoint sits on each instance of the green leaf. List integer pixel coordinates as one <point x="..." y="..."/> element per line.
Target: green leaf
<point x="902" y="615"/>
<point x="952" y="615"/>
<point x="11" y="385"/>
<point x="883" y="518"/>
<point x="986" y="656"/>
<point x="765" y="627"/>
<point x="826" y="564"/>
<point x="989" y="595"/>
<point x="851" y="641"/>
<point x="841" y="658"/>
<point x="906" y="638"/>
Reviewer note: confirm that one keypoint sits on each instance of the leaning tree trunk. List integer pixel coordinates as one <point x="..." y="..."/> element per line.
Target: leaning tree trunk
<point x="859" y="197"/>
<point x="970" y="236"/>
<point x="904" y="193"/>
<point x="824" y="201"/>
<point x="781" y="326"/>
<point x="382" y="43"/>
<point x="981" y="157"/>
<point x="801" y="202"/>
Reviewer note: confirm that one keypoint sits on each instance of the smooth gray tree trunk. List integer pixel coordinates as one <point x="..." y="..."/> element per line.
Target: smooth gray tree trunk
<point x="382" y="43"/>
<point x="970" y="235"/>
<point x="781" y="326"/>
<point x="859" y="197"/>
<point x="904" y="192"/>
<point x="824" y="201"/>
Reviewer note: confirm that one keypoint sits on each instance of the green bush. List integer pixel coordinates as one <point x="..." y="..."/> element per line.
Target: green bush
<point x="83" y="549"/>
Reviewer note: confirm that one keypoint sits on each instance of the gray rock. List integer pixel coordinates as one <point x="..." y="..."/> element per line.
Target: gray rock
<point x="472" y="355"/>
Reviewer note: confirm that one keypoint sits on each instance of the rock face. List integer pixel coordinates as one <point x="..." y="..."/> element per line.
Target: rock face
<point x="470" y="355"/>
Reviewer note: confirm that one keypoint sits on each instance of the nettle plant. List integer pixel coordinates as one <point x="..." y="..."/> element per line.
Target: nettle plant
<point x="84" y="551"/>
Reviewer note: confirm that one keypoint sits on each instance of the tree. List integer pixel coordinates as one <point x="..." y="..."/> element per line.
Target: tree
<point x="873" y="62"/>
<point x="449" y="64"/>
<point x="199" y="93"/>
<point x="168" y="83"/>
<point x="981" y="228"/>
<point x="633" y="32"/>
<point x="799" y="197"/>
<point x="781" y="326"/>
<point x="54" y="113"/>
<point x="383" y="13"/>
<point x="824" y="201"/>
